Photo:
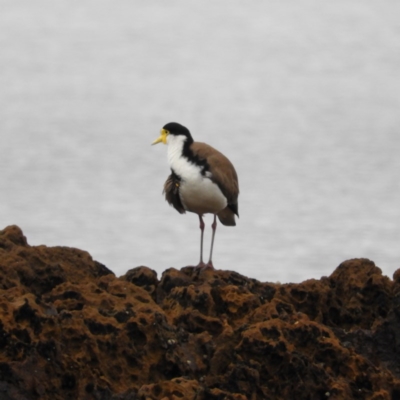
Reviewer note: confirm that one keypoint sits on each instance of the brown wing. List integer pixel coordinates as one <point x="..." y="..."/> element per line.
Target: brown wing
<point x="223" y="174"/>
<point x="171" y="191"/>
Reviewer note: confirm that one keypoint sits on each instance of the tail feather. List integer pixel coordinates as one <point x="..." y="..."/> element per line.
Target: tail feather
<point x="227" y="217"/>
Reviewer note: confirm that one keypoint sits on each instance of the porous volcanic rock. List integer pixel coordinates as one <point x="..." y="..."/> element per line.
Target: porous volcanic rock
<point x="70" y="329"/>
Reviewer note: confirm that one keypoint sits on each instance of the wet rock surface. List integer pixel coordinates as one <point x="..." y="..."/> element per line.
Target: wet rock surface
<point x="70" y="329"/>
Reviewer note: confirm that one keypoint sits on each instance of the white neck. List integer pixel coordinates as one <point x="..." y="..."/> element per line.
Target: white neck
<point x="181" y="165"/>
<point x="175" y="148"/>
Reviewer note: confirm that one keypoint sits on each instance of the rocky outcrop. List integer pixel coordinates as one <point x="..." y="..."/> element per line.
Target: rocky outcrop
<point x="70" y="329"/>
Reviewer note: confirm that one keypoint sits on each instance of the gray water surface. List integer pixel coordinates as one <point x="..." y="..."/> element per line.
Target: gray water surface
<point x="302" y="95"/>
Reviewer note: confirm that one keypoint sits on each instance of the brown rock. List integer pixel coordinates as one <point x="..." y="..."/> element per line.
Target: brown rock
<point x="70" y="329"/>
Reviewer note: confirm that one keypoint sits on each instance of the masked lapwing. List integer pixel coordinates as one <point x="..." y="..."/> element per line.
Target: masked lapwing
<point x="202" y="181"/>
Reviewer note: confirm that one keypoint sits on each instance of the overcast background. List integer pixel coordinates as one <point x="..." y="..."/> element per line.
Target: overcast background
<point x="302" y="95"/>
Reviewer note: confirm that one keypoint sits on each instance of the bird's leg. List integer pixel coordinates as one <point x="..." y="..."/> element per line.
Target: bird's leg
<point x="214" y="228"/>
<point x="201" y="263"/>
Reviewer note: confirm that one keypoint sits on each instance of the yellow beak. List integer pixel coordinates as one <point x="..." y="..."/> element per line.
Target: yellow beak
<point x="162" y="137"/>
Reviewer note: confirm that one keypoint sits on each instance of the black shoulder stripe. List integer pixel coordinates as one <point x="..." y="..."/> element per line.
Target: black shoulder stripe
<point x="191" y="157"/>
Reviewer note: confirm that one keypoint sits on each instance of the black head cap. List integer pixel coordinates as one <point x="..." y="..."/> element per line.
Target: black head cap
<point x="177" y="129"/>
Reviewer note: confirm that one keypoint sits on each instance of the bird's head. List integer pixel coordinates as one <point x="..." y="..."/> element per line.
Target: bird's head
<point x="173" y="129"/>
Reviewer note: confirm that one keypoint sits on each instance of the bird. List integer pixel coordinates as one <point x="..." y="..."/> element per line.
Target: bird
<point x="202" y="181"/>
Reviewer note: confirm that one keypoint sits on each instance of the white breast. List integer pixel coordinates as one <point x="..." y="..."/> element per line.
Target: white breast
<point x="202" y="196"/>
<point x="198" y="193"/>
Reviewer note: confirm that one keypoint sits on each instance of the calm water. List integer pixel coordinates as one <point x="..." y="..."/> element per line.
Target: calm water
<point x="302" y="95"/>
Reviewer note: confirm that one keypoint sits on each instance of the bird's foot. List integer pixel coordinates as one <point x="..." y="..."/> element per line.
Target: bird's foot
<point x="203" y="265"/>
<point x="210" y="265"/>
